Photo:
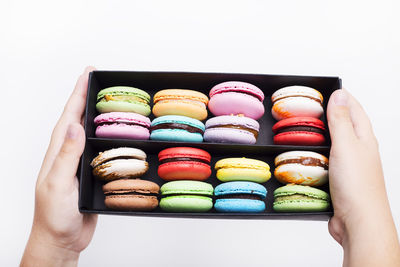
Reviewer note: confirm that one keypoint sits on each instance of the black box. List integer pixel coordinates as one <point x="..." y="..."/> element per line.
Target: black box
<point x="91" y="197"/>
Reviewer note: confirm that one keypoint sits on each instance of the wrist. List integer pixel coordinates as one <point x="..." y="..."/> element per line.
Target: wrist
<point x="43" y="251"/>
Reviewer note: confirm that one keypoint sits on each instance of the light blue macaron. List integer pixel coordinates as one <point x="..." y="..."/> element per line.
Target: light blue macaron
<point x="177" y="128"/>
<point x="249" y="197"/>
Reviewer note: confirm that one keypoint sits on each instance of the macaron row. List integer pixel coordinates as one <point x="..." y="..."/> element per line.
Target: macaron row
<point x="186" y="168"/>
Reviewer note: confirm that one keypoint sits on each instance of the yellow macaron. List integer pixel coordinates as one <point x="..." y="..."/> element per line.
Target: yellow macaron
<point x="180" y="102"/>
<point x="242" y="169"/>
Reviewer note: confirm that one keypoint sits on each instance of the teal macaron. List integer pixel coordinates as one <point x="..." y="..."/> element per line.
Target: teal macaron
<point x="123" y="99"/>
<point x="186" y="196"/>
<point x="300" y="198"/>
<point x="177" y="128"/>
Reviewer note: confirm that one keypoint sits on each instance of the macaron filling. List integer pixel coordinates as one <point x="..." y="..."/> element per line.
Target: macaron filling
<point x="240" y="196"/>
<point x="179" y="126"/>
<point x="184" y="159"/>
<point x="239" y="127"/>
<point x="135" y="193"/>
<point x="176" y="99"/>
<point x="289" y="96"/>
<point x="126" y="98"/>
<point x="300" y="129"/>
<point x="294" y="198"/>
<point x="122" y="122"/>
<point x="237" y="89"/>
<point x="307" y="161"/>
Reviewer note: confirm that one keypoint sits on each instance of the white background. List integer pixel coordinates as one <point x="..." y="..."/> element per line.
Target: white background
<point x="45" y="46"/>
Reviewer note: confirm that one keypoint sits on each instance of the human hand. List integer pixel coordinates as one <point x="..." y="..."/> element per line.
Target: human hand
<point x="59" y="231"/>
<point x="362" y="221"/>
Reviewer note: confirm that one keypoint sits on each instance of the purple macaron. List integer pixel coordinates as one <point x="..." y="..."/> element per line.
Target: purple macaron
<point x="125" y="125"/>
<point x="231" y="129"/>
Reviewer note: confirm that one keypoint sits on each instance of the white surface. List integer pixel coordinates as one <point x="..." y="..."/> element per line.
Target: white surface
<point x="45" y="46"/>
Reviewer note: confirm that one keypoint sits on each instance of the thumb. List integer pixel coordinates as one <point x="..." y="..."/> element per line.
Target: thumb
<point x="339" y="119"/>
<point x="66" y="163"/>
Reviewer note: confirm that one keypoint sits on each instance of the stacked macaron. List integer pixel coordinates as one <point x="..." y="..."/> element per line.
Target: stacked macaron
<point x="298" y="110"/>
<point x="178" y="115"/>
<point x="121" y="169"/>
<point x="236" y="106"/>
<point x="303" y="169"/>
<point x="124" y="112"/>
<point x="185" y="168"/>
<point x="242" y="190"/>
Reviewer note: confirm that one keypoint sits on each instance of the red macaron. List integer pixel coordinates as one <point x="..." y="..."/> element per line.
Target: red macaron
<point x="304" y="131"/>
<point x="184" y="163"/>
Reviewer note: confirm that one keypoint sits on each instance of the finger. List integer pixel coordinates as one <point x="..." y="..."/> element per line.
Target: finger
<point x="361" y="123"/>
<point x="75" y="106"/>
<point x="339" y="120"/>
<point x="63" y="170"/>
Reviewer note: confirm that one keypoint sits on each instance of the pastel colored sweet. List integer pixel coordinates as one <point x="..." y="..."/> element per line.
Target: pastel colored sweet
<point x="131" y="194"/>
<point x="184" y="163"/>
<point x="306" y="131"/>
<point x="236" y="98"/>
<point x="177" y="128"/>
<point x="182" y="102"/>
<point x="240" y="197"/>
<point x="123" y="99"/>
<point x="301" y="167"/>
<point x="117" y="163"/>
<point x="300" y="198"/>
<point x="126" y="125"/>
<point x="242" y="169"/>
<point x="296" y="101"/>
<point x="186" y="196"/>
<point x="231" y="129"/>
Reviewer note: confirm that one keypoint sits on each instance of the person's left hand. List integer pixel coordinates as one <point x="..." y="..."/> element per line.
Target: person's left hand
<point x="59" y="231"/>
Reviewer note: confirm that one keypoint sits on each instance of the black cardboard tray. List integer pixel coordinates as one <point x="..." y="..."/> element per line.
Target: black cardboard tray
<point x="91" y="198"/>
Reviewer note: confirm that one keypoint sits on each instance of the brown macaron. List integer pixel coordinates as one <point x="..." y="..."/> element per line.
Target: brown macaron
<point x="131" y="194"/>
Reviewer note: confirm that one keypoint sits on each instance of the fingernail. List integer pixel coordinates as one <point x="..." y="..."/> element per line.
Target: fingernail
<point x="340" y="98"/>
<point x="72" y="132"/>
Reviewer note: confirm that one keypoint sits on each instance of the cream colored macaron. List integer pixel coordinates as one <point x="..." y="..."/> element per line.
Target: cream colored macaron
<point x="301" y="167"/>
<point x="296" y="101"/>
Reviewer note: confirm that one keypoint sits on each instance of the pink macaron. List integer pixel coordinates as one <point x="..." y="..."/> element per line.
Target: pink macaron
<point x="125" y="125"/>
<point x="234" y="98"/>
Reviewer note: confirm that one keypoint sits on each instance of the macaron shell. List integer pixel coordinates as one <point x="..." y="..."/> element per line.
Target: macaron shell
<point x="184" y="170"/>
<point x="123" y="106"/>
<point x="229" y="135"/>
<point x="131" y="202"/>
<point x="239" y="205"/>
<point x="126" y="152"/>
<point x="239" y="187"/>
<point x="176" y="135"/>
<point x="298" y="121"/>
<point x="124" y="91"/>
<point x="236" y="103"/>
<point x="123" y="131"/>
<point x="121" y="168"/>
<point x="186" y="203"/>
<point x="299" y="138"/>
<point x="122" y="117"/>
<point x="236" y="86"/>
<point x="243" y="174"/>
<point x="301" y="174"/>
<point x="296" y="107"/>
<point x="316" y="205"/>
<point x="187" y="188"/>
<point x="184" y="152"/>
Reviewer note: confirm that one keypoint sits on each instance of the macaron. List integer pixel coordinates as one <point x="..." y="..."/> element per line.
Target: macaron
<point x="296" y="101"/>
<point x="177" y="128"/>
<point x="186" y="196"/>
<point x="131" y="194"/>
<point x="242" y="169"/>
<point x="231" y="129"/>
<point x="184" y="163"/>
<point x="117" y="163"/>
<point x="123" y="99"/>
<point x="306" y="131"/>
<point x="235" y="98"/>
<point x="300" y="198"/>
<point x="182" y="102"/>
<point x="126" y="125"/>
<point x="301" y="167"/>
<point x="240" y="197"/>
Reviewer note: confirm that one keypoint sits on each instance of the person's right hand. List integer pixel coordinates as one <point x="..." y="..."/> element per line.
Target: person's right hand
<point x="362" y="221"/>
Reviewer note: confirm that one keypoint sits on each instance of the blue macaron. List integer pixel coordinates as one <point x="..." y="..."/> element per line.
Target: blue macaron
<point x="177" y="128"/>
<point x="240" y="197"/>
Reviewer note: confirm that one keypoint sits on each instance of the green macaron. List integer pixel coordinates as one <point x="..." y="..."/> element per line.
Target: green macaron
<point x="186" y="196"/>
<point x="300" y="198"/>
<point x="123" y="99"/>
